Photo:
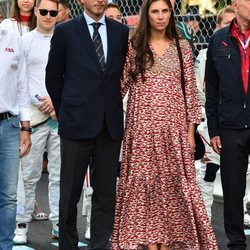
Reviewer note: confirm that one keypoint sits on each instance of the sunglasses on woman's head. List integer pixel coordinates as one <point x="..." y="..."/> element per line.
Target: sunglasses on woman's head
<point x="52" y="13"/>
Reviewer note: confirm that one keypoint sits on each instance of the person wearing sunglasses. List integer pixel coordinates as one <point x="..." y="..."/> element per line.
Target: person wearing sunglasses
<point x="44" y="123"/>
<point x="44" y="12"/>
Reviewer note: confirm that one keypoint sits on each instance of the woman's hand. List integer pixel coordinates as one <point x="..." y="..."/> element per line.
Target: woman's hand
<point x="191" y="140"/>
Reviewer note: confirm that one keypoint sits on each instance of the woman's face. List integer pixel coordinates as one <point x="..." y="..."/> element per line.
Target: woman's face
<point x="26" y="6"/>
<point x="158" y="15"/>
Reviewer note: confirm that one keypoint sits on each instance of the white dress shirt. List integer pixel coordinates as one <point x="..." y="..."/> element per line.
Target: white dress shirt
<point x="14" y="91"/>
<point x="102" y="31"/>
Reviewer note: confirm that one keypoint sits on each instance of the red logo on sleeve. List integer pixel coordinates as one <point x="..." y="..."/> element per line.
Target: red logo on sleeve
<point x="224" y="43"/>
<point x="9" y="50"/>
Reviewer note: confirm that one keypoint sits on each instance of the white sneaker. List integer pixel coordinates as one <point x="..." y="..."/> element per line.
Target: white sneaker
<point x="20" y="237"/>
<point x="247" y="219"/>
<point x="87" y="232"/>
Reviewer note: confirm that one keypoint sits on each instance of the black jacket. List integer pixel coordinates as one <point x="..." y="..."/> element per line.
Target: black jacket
<point x="82" y="95"/>
<point x="227" y="105"/>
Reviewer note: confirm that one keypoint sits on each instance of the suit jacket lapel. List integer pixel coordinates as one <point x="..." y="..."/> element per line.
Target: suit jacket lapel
<point x="86" y="40"/>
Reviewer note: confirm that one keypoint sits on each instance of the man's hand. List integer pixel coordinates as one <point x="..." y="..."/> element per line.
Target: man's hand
<point x="25" y="143"/>
<point x="53" y="115"/>
<point x="46" y="107"/>
<point x="216" y="144"/>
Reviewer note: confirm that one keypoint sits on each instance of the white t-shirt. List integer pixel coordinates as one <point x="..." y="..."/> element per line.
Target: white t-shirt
<point x="36" y="50"/>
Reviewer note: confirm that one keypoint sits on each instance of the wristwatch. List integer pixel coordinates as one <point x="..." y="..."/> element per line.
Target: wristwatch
<point x="27" y="129"/>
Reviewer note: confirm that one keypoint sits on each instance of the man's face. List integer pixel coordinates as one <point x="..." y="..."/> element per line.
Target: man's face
<point x="46" y="14"/>
<point x="242" y="10"/>
<point x="114" y="14"/>
<point x="63" y="13"/>
<point x="194" y="24"/>
<point x="226" y="19"/>
<point x="94" y="8"/>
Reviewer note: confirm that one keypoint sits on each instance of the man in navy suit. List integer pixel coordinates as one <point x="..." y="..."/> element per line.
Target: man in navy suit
<point x="84" y="85"/>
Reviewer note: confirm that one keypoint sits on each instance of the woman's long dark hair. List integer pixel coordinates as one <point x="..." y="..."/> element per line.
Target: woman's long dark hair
<point x="141" y="35"/>
<point x="15" y="13"/>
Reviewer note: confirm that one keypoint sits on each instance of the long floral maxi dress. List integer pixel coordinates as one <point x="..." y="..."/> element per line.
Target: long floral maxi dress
<point x="158" y="200"/>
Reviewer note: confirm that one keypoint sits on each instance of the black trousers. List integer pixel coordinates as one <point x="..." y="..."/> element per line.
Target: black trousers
<point x="234" y="163"/>
<point x="104" y="152"/>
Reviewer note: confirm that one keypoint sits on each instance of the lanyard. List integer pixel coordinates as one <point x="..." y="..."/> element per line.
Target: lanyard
<point x="244" y="43"/>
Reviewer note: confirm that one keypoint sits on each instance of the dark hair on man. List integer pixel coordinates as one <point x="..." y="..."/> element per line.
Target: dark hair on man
<point x="55" y="1"/>
<point x="15" y="13"/>
<point x="64" y="3"/>
<point x="140" y="38"/>
<point x="227" y="9"/>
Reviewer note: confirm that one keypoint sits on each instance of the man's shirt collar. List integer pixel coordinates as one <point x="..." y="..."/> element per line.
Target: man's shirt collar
<point x="90" y="20"/>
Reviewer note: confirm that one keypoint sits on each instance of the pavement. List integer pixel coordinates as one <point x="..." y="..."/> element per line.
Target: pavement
<point x="39" y="236"/>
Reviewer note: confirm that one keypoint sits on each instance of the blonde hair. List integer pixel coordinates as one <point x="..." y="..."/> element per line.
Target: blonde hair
<point x="227" y="9"/>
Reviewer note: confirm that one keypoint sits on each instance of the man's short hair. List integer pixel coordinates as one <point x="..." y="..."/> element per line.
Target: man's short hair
<point x="113" y="5"/>
<point x="64" y="3"/>
<point x="39" y="1"/>
<point x="227" y="9"/>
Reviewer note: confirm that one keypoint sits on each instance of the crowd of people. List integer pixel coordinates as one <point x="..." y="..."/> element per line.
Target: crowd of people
<point x="65" y="86"/>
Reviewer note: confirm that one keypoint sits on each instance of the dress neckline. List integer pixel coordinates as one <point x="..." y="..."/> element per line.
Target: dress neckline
<point x="163" y="54"/>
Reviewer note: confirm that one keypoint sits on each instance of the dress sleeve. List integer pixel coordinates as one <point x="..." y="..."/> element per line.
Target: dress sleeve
<point x="193" y="104"/>
<point x="129" y="67"/>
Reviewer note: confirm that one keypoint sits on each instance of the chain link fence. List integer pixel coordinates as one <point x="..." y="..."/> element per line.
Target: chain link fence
<point x="75" y="8"/>
<point x="5" y="7"/>
<point x="200" y="15"/>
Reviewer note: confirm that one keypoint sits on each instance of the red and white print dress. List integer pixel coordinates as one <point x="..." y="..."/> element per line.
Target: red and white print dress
<point x="158" y="200"/>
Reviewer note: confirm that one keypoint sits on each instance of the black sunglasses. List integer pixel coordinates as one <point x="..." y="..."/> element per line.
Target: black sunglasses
<point x="52" y="13"/>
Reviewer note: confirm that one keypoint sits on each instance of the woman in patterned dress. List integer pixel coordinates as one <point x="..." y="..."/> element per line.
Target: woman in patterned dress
<point x="159" y="205"/>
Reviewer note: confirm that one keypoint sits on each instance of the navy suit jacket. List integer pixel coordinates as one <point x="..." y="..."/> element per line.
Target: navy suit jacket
<point x="84" y="97"/>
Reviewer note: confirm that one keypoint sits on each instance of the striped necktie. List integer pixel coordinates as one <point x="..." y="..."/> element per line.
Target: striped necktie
<point x="98" y="44"/>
